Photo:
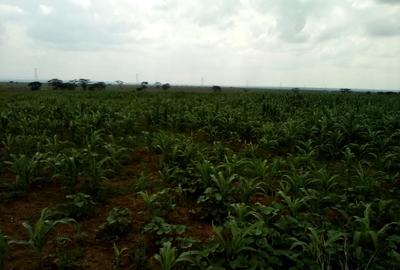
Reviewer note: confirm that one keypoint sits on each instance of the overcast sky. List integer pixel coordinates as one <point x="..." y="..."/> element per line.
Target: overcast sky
<point x="326" y="43"/>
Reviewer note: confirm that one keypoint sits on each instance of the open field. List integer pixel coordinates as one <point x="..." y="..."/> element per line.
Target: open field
<point x="174" y="180"/>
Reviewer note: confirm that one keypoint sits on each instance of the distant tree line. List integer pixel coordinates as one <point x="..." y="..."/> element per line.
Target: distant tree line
<point x="144" y="85"/>
<point x="57" y="84"/>
<point x="84" y="84"/>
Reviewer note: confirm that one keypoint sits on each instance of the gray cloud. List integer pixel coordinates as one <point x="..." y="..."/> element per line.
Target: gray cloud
<point x="392" y="2"/>
<point x="69" y="26"/>
<point x="388" y="28"/>
<point x="297" y="41"/>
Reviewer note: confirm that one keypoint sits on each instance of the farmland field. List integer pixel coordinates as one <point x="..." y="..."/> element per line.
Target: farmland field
<point x="170" y="180"/>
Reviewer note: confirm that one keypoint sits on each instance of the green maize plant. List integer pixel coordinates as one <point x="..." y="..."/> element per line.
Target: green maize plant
<point x="118" y="255"/>
<point x="216" y="199"/>
<point x="326" y="181"/>
<point x="158" y="204"/>
<point x="365" y="236"/>
<point x="149" y="201"/>
<point x="248" y="187"/>
<point x="69" y="167"/>
<point x="233" y="165"/>
<point x="25" y="168"/>
<point x="258" y="168"/>
<point x="96" y="172"/>
<point x="241" y="211"/>
<point x="169" y="259"/>
<point x="116" y="155"/>
<point x="203" y="170"/>
<point x="94" y="139"/>
<point x="293" y="204"/>
<point x="321" y="249"/>
<point x="238" y="240"/>
<point x="40" y="232"/>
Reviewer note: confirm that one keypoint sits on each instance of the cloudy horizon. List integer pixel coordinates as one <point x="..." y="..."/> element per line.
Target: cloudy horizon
<point x="312" y="43"/>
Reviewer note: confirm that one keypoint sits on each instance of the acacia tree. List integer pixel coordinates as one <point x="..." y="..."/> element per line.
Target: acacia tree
<point x="157" y="85"/>
<point x="143" y="86"/>
<point x="216" y="88"/>
<point x="34" y="86"/>
<point x="166" y="86"/>
<point x="55" y="83"/>
<point x="119" y="83"/>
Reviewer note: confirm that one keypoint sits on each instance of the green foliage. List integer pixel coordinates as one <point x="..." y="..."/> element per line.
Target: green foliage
<point x="168" y="257"/>
<point x="77" y="206"/>
<point x="40" y="232"/>
<point x="96" y="172"/>
<point x="217" y="197"/>
<point x="142" y="183"/>
<point x="35" y="86"/>
<point x="69" y="167"/>
<point x="25" y="168"/>
<point x="118" y="222"/>
<point x="160" y="203"/>
<point x="163" y="230"/>
<point x="290" y="180"/>
<point x="118" y="254"/>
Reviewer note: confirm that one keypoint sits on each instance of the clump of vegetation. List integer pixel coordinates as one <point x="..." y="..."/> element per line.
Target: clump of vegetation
<point x="118" y="223"/>
<point x="39" y="233"/>
<point x="163" y="230"/>
<point x="160" y="203"/>
<point x="119" y="253"/>
<point x="77" y="206"/>
<point x="35" y="86"/>
<point x="25" y="168"/>
<point x="168" y="257"/>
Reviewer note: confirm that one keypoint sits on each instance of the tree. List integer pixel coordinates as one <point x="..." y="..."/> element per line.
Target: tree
<point x="84" y="83"/>
<point x="69" y="85"/>
<point x="157" y="85"/>
<point x="143" y="86"/>
<point x="119" y="83"/>
<point x="216" y="88"/>
<point x="166" y="86"/>
<point x="97" y="86"/>
<point x="345" y="90"/>
<point x="34" y="86"/>
<point x="55" y="83"/>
